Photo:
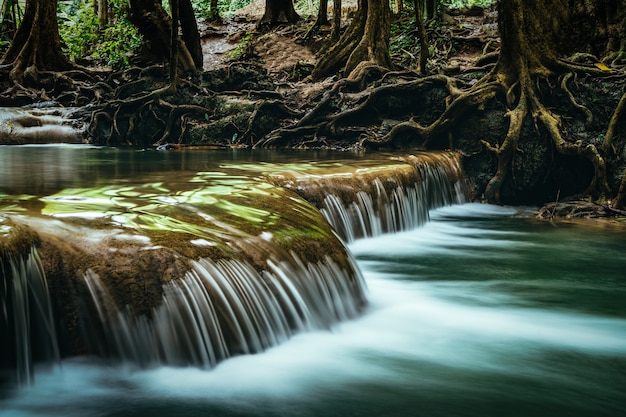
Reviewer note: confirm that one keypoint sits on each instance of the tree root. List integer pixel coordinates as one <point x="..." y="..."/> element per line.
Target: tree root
<point x="261" y="108"/>
<point x="287" y="137"/>
<point x="366" y="74"/>
<point x="131" y="109"/>
<point x="579" y="107"/>
<point x="506" y="151"/>
<point x="403" y="135"/>
<point x="461" y="103"/>
<point x="177" y="113"/>
<point x="599" y="185"/>
<point x="607" y="144"/>
<point x="620" y="198"/>
<point x="529" y="102"/>
<point x="370" y="108"/>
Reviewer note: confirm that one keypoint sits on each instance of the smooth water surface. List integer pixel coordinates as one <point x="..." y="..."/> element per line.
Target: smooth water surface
<point x="481" y="312"/>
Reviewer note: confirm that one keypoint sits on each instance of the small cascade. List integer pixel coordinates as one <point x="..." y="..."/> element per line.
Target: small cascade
<point x="387" y="198"/>
<point x="226" y="308"/>
<point x="27" y="327"/>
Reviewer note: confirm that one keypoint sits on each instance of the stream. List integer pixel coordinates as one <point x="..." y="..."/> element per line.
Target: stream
<point x="481" y="310"/>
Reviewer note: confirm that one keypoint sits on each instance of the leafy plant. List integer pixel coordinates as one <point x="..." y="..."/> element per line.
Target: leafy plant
<point x="227" y="8"/>
<point x="10" y="16"/>
<point x="241" y="49"/>
<point x="82" y="37"/>
<point x="459" y="4"/>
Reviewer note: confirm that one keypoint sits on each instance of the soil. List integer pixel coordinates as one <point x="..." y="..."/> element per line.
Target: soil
<point x="255" y="92"/>
<point x="276" y="51"/>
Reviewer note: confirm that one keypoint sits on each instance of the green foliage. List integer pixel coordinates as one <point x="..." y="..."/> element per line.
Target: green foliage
<point x="459" y="4"/>
<point x="227" y="8"/>
<point x="11" y="14"/>
<point x="241" y="49"/>
<point x="202" y="8"/>
<point x="403" y="38"/>
<point x="82" y="38"/>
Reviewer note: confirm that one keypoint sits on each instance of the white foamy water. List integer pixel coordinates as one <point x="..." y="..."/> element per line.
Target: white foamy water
<point x="460" y="324"/>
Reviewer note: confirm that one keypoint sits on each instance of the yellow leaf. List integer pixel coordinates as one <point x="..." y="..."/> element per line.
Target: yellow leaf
<point x="602" y="66"/>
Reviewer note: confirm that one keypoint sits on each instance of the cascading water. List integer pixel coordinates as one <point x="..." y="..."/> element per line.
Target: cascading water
<point x="245" y="263"/>
<point x="27" y="326"/>
<point x="188" y="258"/>
<point x="386" y="198"/>
<point x="221" y="309"/>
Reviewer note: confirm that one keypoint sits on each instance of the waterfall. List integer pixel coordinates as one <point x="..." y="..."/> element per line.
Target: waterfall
<point x="385" y="199"/>
<point x="403" y="204"/>
<point x="225" y="308"/>
<point x="162" y="278"/>
<point x="26" y="320"/>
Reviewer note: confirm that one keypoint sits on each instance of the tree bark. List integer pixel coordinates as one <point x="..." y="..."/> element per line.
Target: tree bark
<point x="322" y="13"/>
<point x="36" y="44"/>
<point x="103" y="14"/>
<point x="154" y="24"/>
<point x="278" y="12"/>
<point x="365" y="40"/>
<point x="191" y="35"/>
<point x="335" y="29"/>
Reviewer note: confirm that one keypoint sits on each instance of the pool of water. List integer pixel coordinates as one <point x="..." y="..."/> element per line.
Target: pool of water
<point x="483" y="311"/>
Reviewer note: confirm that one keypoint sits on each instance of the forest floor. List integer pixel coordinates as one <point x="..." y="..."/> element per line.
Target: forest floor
<point x="458" y="42"/>
<point x="255" y="91"/>
<point x="278" y="60"/>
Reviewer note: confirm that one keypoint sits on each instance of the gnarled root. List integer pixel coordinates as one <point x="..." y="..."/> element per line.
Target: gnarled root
<point x="607" y="144"/>
<point x="506" y="151"/>
<point x="530" y="103"/>
<point x="123" y="114"/>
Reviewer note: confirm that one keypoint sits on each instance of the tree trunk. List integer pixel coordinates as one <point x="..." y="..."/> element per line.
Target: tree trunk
<point x="154" y="24"/>
<point x="36" y="44"/>
<point x="535" y="37"/>
<point x="103" y="14"/>
<point x="335" y="29"/>
<point x="322" y="13"/>
<point x="424" y="45"/>
<point x="365" y="40"/>
<point x="191" y="35"/>
<point x="374" y="45"/>
<point x="278" y="12"/>
<point x="214" y="13"/>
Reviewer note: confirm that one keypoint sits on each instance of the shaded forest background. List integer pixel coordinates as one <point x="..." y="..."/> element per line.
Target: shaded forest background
<point x="530" y="92"/>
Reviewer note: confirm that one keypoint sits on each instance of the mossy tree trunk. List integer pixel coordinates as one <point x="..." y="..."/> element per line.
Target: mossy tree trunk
<point x="538" y="42"/>
<point x="366" y="40"/>
<point x="102" y="11"/>
<point x="36" y="45"/>
<point x="533" y="40"/>
<point x="278" y="12"/>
